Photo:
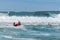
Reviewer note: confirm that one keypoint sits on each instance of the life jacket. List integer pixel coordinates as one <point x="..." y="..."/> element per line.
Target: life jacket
<point x="18" y="24"/>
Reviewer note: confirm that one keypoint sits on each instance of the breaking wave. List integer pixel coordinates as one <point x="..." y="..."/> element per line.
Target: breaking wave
<point x="32" y="18"/>
<point x="31" y="28"/>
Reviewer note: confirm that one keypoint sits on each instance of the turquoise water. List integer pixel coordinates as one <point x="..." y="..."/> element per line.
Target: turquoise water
<point x="30" y="33"/>
<point x="34" y="25"/>
<point x="38" y="13"/>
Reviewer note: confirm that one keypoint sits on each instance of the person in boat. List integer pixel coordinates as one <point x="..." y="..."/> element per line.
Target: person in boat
<point x="17" y="24"/>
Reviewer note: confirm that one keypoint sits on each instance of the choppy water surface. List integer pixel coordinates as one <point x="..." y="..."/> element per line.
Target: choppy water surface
<point x="35" y="26"/>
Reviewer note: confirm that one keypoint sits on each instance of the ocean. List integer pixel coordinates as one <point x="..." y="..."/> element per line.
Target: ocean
<point x="40" y="25"/>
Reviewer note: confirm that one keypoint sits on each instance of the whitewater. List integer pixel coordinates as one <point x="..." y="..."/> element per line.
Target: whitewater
<point x="32" y="27"/>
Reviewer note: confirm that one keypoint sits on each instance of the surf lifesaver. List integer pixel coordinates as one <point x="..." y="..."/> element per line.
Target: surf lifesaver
<point x="49" y="24"/>
<point x="17" y="24"/>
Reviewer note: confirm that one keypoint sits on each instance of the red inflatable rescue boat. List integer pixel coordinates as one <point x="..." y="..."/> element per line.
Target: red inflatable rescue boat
<point x="17" y="24"/>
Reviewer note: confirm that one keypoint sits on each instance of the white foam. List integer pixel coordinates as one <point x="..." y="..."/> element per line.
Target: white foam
<point x="24" y="39"/>
<point x="41" y="34"/>
<point x="7" y="36"/>
<point x="3" y="14"/>
<point x="31" y="20"/>
<point x="45" y="34"/>
<point x="14" y="38"/>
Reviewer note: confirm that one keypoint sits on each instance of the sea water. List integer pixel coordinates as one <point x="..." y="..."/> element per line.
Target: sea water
<point x="34" y="25"/>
